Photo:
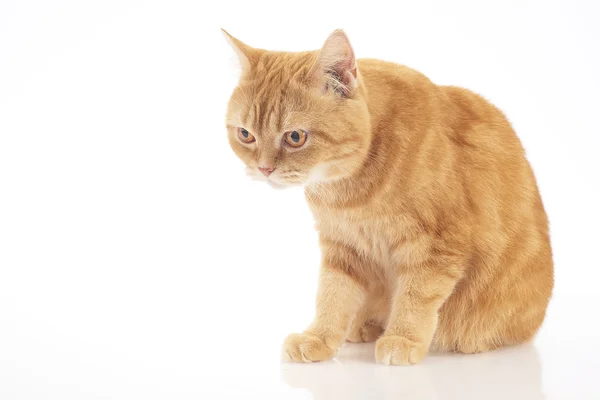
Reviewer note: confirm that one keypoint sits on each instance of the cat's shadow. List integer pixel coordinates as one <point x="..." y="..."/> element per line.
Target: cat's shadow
<point x="512" y="373"/>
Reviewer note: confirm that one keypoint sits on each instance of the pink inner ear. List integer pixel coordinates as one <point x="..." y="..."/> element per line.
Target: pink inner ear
<point x="353" y="72"/>
<point x="337" y="60"/>
<point x="346" y="64"/>
<point x="349" y="75"/>
<point x="346" y="73"/>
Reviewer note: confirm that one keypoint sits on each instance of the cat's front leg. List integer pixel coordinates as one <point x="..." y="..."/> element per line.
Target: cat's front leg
<point x="420" y="292"/>
<point x="338" y="299"/>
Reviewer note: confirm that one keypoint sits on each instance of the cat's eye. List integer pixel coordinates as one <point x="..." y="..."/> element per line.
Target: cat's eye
<point x="245" y="136"/>
<point x="295" y="138"/>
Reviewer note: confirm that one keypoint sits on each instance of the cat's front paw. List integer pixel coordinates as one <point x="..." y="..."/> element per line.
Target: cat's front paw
<point x="398" y="350"/>
<point x="305" y="347"/>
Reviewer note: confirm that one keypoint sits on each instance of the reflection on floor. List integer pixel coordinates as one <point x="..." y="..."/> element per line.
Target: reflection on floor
<point x="512" y="373"/>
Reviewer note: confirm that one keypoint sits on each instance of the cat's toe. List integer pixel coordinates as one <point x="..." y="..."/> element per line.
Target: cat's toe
<point x="303" y="347"/>
<point x="398" y="350"/>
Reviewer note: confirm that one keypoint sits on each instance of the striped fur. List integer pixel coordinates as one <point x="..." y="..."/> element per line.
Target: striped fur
<point x="432" y="229"/>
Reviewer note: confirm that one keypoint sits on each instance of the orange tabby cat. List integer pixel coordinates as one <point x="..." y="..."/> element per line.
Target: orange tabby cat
<point x="431" y="225"/>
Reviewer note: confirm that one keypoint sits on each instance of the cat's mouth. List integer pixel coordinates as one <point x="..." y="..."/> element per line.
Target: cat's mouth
<point x="277" y="181"/>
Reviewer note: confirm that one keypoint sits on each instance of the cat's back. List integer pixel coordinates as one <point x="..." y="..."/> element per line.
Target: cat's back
<point x="456" y="166"/>
<point x="455" y="109"/>
<point x="388" y="82"/>
<point x="466" y="148"/>
<point x="469" y="129"/>
<point x="379" y="70"/>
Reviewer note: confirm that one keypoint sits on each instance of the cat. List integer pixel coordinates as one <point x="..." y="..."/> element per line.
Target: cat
<point x="431" y="226"/>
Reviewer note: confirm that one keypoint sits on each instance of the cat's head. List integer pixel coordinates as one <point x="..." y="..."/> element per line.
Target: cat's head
<point x="298" y="118"/>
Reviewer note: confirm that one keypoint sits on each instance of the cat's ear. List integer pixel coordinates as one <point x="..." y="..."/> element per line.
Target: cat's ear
<point x="335" y="67"/>
<point x="245" y="53"/>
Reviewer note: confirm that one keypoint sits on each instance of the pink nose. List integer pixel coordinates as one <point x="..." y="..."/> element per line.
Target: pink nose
<point x="266" y="170"/>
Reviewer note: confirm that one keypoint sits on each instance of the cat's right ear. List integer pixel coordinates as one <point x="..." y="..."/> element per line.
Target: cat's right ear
<point x="335" y="67"/>
<point x="245" y="53"/>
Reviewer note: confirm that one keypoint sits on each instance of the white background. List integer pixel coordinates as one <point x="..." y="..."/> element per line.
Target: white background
<point x="138" y="261"/>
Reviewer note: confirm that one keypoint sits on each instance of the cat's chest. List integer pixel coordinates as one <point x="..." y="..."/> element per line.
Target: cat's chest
<point x="381" y="239"/>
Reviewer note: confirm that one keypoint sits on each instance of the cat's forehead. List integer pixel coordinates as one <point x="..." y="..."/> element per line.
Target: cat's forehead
<point x="280" y="76"/>
<point x="281" y="67"/>
<point x="274" y="96"/>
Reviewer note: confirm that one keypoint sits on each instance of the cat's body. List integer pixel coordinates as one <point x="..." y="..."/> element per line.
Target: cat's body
<point x="462" y="174"/>
<point x="431" y="226"/>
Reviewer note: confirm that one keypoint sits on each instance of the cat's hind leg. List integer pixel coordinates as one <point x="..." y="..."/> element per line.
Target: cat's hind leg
<point x="369" y="323"/>
<point x="368" y="331"/>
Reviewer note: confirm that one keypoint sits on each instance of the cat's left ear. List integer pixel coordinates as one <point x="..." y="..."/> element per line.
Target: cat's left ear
<point x="245" y="53"/>
<point x="335" y="67"/>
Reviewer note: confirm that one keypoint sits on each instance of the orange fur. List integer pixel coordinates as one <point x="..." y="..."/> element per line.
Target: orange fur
<point x="431" y="226"/>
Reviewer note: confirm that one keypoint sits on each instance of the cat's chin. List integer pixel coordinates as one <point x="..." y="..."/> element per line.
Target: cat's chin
<point x="280" y="186"/>
<point x="273" y="184"/>
<point x="276" y="185"/>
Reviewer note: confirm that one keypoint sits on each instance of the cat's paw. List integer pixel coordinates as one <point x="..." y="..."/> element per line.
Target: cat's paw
<point x="368" y="332"/>
<point x="305" y="347"/>
<point x="398" y="350"/>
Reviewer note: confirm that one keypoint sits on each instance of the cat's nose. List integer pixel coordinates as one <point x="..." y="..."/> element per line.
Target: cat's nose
<point x="266" y="170"/>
